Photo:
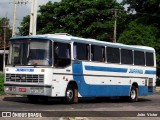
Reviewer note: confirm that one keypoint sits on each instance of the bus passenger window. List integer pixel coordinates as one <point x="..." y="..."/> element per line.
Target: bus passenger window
<point x="81" y="51"/>
<point x="126" y="56"/>
<point x="149" y="59"/>
<point x="139" y="58"/>
<point x="62" y="54"/>
<point x="113" y="55"/>
<point x="97" y="53"/>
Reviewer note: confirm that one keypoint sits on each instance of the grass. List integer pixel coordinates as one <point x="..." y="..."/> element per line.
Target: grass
<point x="1" y="83"/>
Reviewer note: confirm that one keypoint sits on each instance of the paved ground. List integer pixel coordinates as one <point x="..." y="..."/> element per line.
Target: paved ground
<point x="149" y="105"/>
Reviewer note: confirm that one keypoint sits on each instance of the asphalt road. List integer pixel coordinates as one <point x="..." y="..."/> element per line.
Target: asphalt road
<point x="148" y="105"/>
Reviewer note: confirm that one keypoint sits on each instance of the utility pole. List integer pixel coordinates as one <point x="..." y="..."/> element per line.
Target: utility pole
<point x="4" y="44"/>
<point x="14" y="19"/>
<point x="33" y="18"/>
<point x="115" y="25"/>
<point x="4" y="55"/>
<point x="16" y="2"/>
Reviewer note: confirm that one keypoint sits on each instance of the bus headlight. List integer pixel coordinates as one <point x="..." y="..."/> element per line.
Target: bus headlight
<point x="10" y="89"/>
<point x="6" y="88"/>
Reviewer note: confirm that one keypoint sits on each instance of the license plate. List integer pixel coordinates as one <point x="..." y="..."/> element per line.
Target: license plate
<point x="22" y="89"/>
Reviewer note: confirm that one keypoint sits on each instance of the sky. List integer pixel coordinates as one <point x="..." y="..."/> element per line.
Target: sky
<point x="7" y="7"/>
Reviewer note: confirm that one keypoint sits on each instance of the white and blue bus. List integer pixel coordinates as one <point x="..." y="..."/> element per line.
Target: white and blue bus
<point x="64" y="66"/>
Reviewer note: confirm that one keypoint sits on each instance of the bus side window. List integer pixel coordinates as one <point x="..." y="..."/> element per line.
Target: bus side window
<point x="81" y="51"/>
<point x="62" y="54"/>
<point x="113" y="55"/>
<point x="126" y="56"/>
<point x="97" y="53"/>
<point x="149" y="59"/>
<point x="139" y="58"/>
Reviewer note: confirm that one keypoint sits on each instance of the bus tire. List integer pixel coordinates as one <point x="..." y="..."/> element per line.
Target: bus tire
<point x="69" y="95"/>
<point x="133" y="94"/>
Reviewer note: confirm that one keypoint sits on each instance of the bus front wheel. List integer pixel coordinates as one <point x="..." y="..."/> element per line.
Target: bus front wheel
<point x="133" y="94"/>
<point x="69" y="95"/>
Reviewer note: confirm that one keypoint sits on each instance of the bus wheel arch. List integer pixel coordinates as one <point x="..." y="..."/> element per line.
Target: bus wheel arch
<point x="71" y="94"/>
<point x="133" y="97"/>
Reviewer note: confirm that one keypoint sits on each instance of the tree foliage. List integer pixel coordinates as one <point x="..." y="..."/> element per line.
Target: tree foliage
<point x="95" y="19"/>
<point x="5" y="22"/>
<point x="1" y="84"/>
<point x="144" y="25"/>
<point x="24" y="28"/>
<point x="144" y="6"/>
<point x="139" y="34"/>
<point x="85" y="18"/>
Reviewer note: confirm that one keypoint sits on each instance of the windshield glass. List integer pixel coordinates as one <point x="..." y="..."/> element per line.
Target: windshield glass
<point x="30" y="52"/>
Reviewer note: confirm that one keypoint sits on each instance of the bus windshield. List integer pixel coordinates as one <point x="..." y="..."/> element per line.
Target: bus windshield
<point x="30" y="52"/>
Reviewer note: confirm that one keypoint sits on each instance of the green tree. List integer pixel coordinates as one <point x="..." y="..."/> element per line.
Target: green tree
<point x="1" y="83"/>
<point x="5" y="22"/>
<point x="85" y="18"/>
<point x="144" y="25"/>
<point x="144" y="6"/>
<point x="139" y="34"/>
<point x="24" y="28"/>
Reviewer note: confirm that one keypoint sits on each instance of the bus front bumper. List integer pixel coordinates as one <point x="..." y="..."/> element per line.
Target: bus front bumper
<point x="44" y="90"/>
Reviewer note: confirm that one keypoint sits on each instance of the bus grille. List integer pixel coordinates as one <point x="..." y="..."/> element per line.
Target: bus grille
<point x="25" y="78"/>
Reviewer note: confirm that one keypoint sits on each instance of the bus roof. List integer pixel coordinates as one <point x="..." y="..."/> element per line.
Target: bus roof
<point x="70" y="38"/>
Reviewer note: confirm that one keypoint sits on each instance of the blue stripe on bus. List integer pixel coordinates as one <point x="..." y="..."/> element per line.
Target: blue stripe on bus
<point x="111" y="69"/>
<point x="150" y="72"/>
<point x="106" y="69"/>
<point x="87" y="90"/>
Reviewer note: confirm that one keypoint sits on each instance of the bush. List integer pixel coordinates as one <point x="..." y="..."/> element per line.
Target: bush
<point x="1" y="83"/>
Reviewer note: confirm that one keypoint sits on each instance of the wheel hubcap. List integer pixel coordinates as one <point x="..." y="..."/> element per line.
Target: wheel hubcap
<point x="133" y="94"/>
<point x="70" y="94"/>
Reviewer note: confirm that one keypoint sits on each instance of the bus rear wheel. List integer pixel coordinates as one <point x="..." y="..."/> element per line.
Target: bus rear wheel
<point x="133" y="94"/>
<point x="69" y="95"/>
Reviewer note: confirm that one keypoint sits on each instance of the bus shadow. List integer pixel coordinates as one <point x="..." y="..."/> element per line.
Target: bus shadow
<point x="110" y="100"/>
<point x="52" y="101"/>
<point x="25" y="100"/>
